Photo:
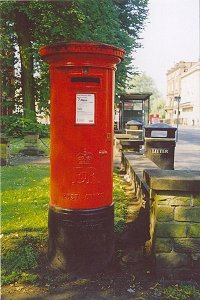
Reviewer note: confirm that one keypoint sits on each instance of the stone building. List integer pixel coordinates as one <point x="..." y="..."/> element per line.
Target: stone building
<point x="183" y="80"/>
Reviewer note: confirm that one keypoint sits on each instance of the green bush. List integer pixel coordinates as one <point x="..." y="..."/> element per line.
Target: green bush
<point x="182" y="292"/>
<point x="178" y="292"/>
<point x="17" y="125"/>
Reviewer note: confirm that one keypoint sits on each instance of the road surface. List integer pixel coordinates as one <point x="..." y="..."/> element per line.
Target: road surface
<point x="187" y="151"/>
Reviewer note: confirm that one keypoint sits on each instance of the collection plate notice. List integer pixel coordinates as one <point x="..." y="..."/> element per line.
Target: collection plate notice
<point x="85" y="108"/>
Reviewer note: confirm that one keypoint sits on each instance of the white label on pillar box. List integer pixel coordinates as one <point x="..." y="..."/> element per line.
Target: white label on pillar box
<point x="85" y="108"/>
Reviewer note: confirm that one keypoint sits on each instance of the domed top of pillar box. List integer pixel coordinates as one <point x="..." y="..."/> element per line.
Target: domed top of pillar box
<point x="82" y="54"/>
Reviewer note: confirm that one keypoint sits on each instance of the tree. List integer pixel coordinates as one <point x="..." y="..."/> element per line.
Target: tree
<point x="36" y="23"/>
<point x="7" y="65"/>
<point x="21" y="17"/>
<point x="22" y="27"/>
<point x="142" y="83"/>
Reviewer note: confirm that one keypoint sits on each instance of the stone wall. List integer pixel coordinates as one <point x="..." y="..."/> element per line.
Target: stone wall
<point x="174" y="213"/>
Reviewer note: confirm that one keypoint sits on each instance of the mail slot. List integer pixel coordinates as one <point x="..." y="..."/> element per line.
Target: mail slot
<point x="81" y="209"/>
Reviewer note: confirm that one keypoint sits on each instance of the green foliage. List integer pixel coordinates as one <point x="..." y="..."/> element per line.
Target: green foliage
<point x="20" y="259"/>
<point x="158" y="106"/>
<point x="110" y="21"/>
<point x="142" y="83"/>
<point x="121" y="203"/>
<point x="178" y="292"/>
<point x="16" y="126"/>
<point x="181" y="292"/>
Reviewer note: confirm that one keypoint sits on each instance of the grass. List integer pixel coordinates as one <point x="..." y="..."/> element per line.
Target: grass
<point x="25" y="197"/>
<point x="25" y="194"/>
<point x="20" y="257"/>
<point x="121" y="202"/>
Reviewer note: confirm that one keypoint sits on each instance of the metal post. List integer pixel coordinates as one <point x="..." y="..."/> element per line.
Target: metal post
<point x="148" y="110"/>
<point x="178" y="99"/>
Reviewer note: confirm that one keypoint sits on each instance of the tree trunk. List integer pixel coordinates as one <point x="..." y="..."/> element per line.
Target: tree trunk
<point x="22" y="26"/>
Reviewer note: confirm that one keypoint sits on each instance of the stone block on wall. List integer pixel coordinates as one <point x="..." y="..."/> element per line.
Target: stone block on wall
<point x="187" y="245"/>
<point x="166" y="198"/>
<point x="196" y="201"/>
<point x="163" y="245"/>
<point x="170" y="230"/>
<point x="165" y="213"/>
<point x="174" y="202"/>
<point x="191" y="214"/>
<point x="172" y="260"/>
<point x="193" y="231"/>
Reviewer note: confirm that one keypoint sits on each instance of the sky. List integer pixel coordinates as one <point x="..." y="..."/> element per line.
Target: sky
<point x="171" y="35"/>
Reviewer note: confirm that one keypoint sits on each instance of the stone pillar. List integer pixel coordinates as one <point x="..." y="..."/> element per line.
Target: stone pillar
<point x="31" y="144"/>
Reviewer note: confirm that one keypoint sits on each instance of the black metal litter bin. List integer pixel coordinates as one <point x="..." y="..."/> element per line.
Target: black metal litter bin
<point x="159" y="145"/>
<point x="135" y="129"/>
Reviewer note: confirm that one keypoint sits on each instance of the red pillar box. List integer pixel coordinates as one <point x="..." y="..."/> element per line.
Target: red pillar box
<point x="81" y="206"/>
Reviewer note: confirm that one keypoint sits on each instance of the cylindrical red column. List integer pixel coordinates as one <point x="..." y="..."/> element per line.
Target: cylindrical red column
<point x="81" y="206"/>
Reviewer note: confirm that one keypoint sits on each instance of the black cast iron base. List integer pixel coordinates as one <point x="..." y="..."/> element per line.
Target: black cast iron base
<point x="81" y="241"/>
